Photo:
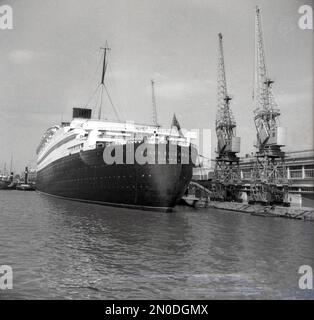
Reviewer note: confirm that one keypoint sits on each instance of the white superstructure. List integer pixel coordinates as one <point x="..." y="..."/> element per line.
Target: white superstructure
<point x="87" y="134"/>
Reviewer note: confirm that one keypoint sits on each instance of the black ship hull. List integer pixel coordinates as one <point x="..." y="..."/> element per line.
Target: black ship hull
<point x="85" y="176"/>
<point x="7" y="185"/>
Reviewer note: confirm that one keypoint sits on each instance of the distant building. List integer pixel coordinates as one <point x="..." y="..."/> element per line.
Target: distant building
<point x="300" y="171"/>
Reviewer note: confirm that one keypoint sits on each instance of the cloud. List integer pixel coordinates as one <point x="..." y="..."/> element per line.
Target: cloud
<point x="295" y="98"/>
<point x="21" y="56"/>
<point x="178" y="89"/>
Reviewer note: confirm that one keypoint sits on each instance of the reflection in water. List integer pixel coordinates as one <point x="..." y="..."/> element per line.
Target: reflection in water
<point x="66" y="249"/>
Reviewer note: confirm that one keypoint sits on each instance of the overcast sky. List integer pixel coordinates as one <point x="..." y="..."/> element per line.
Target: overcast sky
<point x="49" y="60"/>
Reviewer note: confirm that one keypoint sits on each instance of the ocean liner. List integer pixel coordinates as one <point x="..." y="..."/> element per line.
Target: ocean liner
<point x="115" y="163"/>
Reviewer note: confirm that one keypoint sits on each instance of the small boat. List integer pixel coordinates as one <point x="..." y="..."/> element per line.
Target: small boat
<point x="4" y="184"/>
<point x="189" y="200"/>
<point x="7" y="183"/>
<point x="264" y="213"/>
<point x="25" y="186"/>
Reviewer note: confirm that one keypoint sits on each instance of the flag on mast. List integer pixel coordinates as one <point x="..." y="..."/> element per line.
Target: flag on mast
<point x="175" y="123"/>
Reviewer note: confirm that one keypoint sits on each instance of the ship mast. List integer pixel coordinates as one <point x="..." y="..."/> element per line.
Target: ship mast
<point x="154" y="114"/>
<point x="11" y="164"/>
<point x="101" y="87"/>
<point x="102" y="83"/>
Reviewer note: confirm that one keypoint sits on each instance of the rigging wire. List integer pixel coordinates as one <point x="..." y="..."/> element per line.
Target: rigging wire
<point x="93" y="95"/>
<point x="112" y="83"/>
<point x="97" y="94"/>
<point x="113" y="106"/>
<point x="92" y="80"/>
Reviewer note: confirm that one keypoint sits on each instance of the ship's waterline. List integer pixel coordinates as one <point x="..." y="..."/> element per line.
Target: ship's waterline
<point x="84" y="176"/>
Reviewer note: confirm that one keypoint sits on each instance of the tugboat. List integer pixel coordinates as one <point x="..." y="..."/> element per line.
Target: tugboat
<point x="7" y="183"/>
<point x="25" y="186"/>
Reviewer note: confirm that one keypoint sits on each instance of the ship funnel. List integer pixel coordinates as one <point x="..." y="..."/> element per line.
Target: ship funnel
<point x="82" y="113"/>
<point x="26" y="175"/>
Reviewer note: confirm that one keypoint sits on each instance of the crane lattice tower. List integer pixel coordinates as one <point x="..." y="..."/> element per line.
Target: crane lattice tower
<point x="226" y="174"/>
<point x="269" y="183"/>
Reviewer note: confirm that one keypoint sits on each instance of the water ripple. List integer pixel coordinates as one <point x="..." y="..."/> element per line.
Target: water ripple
<point x="68" y="250"/>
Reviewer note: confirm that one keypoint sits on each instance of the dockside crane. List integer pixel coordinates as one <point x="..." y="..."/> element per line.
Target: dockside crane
<point x="269" y="183"/>
<point x="226" y="180"/>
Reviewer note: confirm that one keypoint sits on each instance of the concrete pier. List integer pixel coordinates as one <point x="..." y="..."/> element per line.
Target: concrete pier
<point x="302" y="213"/>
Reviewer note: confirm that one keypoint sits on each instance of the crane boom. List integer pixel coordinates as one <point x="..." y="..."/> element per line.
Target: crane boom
<point x="225" y="122"/>
<point x="266" y="111"/>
